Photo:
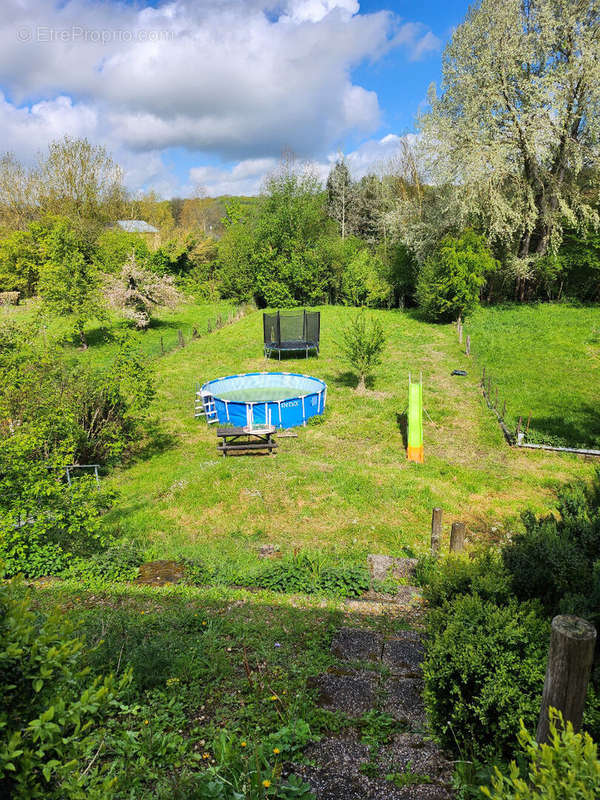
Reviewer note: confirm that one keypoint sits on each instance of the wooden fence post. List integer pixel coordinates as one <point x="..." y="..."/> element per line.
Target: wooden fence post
<point x="460" y="331"/>
<point x="457" y="537"/>
<point x="436" y="531"/>
<point x="572" y="645"/>
<point x="468" y="347"/>
<point x="180" y="337"/>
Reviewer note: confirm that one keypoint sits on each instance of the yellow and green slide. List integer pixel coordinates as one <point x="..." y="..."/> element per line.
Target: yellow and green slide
<point x="415" y="421"/>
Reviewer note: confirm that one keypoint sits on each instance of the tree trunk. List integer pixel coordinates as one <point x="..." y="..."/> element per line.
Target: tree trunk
<point x="361" y="387"/>
<point x="84" y="344"/>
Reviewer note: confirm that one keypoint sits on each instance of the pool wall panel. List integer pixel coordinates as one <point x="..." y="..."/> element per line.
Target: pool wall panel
<point x="304" y="402"/>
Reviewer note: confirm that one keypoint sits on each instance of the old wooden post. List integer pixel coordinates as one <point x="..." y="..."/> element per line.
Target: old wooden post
<point x="180" y="337"/>
<point x="457" y="537"/>
<point x="436" y="531"/>
<point x="460" y="329"/>
<point x="528" y="423"/>
<point x="468" y="347"/>
<point x="572" y="644"/>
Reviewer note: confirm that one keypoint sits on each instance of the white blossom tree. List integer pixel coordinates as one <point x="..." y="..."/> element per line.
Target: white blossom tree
<point x="515" y="129"/>
<point x="136" y="291"/>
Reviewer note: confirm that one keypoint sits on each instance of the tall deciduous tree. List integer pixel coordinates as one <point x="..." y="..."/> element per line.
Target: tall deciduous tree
<point x="79" y="180"/>
<point x="341" y="197"/>
<point x="517" y="121"/>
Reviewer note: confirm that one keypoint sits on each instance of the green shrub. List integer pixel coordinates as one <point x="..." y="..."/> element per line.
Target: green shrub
<point x="450" y="281"/>
<point x="567" y="768"/>
<point x="556" y="559"/>
<point x="484" y="670"/>
<point x="118" y="562"/>
<point x="361" y="344"/>
<point x="301" y="573"/>
<point x="51" y="713"/>
<point x="448" y="578"/>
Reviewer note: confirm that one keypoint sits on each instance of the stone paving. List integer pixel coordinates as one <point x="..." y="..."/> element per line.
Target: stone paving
<point x="383" y="674"/>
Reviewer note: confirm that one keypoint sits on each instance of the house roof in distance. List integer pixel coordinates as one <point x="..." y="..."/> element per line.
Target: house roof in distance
<point x="136" y="226"/>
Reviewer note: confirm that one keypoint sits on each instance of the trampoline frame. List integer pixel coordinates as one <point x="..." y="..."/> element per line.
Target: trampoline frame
<point x="290" y="345"/>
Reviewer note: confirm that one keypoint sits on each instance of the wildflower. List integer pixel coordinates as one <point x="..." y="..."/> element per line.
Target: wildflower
<point x="274" y="697"/>
<point x="266" y="784"/>
<point x="276" y="750"/>
<point x="204" y="622"/>
<point x="243" y="744"/>
<point x="146" y="722"/>
<point x="205" y="756"/>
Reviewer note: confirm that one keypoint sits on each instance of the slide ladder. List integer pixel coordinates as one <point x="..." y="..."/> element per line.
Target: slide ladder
<point x="204" y="406"/>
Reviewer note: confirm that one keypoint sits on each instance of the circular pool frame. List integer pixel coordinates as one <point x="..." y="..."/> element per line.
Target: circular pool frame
<point x="255" y="399"/>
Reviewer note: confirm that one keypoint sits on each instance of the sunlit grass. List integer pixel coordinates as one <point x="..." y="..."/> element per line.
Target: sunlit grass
<point x="344" y="486"/>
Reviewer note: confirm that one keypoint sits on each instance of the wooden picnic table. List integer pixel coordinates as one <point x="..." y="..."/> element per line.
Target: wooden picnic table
<point x="240" y="440"/>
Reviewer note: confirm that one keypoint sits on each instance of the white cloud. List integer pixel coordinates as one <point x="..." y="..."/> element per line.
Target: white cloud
<point x="247" y="177"/>
<point x="236" y="80"/>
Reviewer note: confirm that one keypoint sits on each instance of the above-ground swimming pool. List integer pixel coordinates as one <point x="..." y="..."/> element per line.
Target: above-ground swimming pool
<point x="281" y="399"/>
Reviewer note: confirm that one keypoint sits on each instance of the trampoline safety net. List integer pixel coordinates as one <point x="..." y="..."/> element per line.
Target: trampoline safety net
<point x="291" y="330"/>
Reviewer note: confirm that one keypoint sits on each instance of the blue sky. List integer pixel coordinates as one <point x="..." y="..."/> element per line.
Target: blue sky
<point x="207" y="93"/>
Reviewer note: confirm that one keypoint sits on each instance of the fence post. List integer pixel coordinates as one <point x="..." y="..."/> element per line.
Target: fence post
<point x="570" y="657"/>
<point x="180" y="337"/>
<point x="457" y="537"/>
<point x="460" y="331"/>
<point x="468" y="347"/>
<point x="436" y="531"/>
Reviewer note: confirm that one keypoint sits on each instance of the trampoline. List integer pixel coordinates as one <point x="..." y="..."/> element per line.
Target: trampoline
<point x="291" y="330"/>
<point x="280" y="399"/>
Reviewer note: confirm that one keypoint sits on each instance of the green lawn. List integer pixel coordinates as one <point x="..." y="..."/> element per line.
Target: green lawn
<point x="102" y="337"/>
<point x="342" y="487"/>
<point x="545" y="361"/>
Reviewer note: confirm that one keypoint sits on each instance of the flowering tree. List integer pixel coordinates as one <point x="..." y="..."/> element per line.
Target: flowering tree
<point x="516" y="127"/>
<point x="136" y="291"/>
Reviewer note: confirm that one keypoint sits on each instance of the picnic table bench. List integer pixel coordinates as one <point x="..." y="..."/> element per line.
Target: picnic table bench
<point x="238" y="440"/>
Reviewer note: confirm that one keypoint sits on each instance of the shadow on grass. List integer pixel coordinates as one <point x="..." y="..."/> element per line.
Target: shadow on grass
<point x="293" y="355"/>
<point x="157" y="441"/>
<point x="350" y="380"/>
<point x="402" y="423"/>
<point x="580" y="429"/>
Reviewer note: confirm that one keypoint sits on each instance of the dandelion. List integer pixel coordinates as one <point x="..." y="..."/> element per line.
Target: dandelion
<point x="266" y="784"/>
<point x="276" y="750"/>
<point x="243" y="744"/>
<point x="146" y="722"/>
<point x="274" y="697"/>
<point x="204" y="623"/>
